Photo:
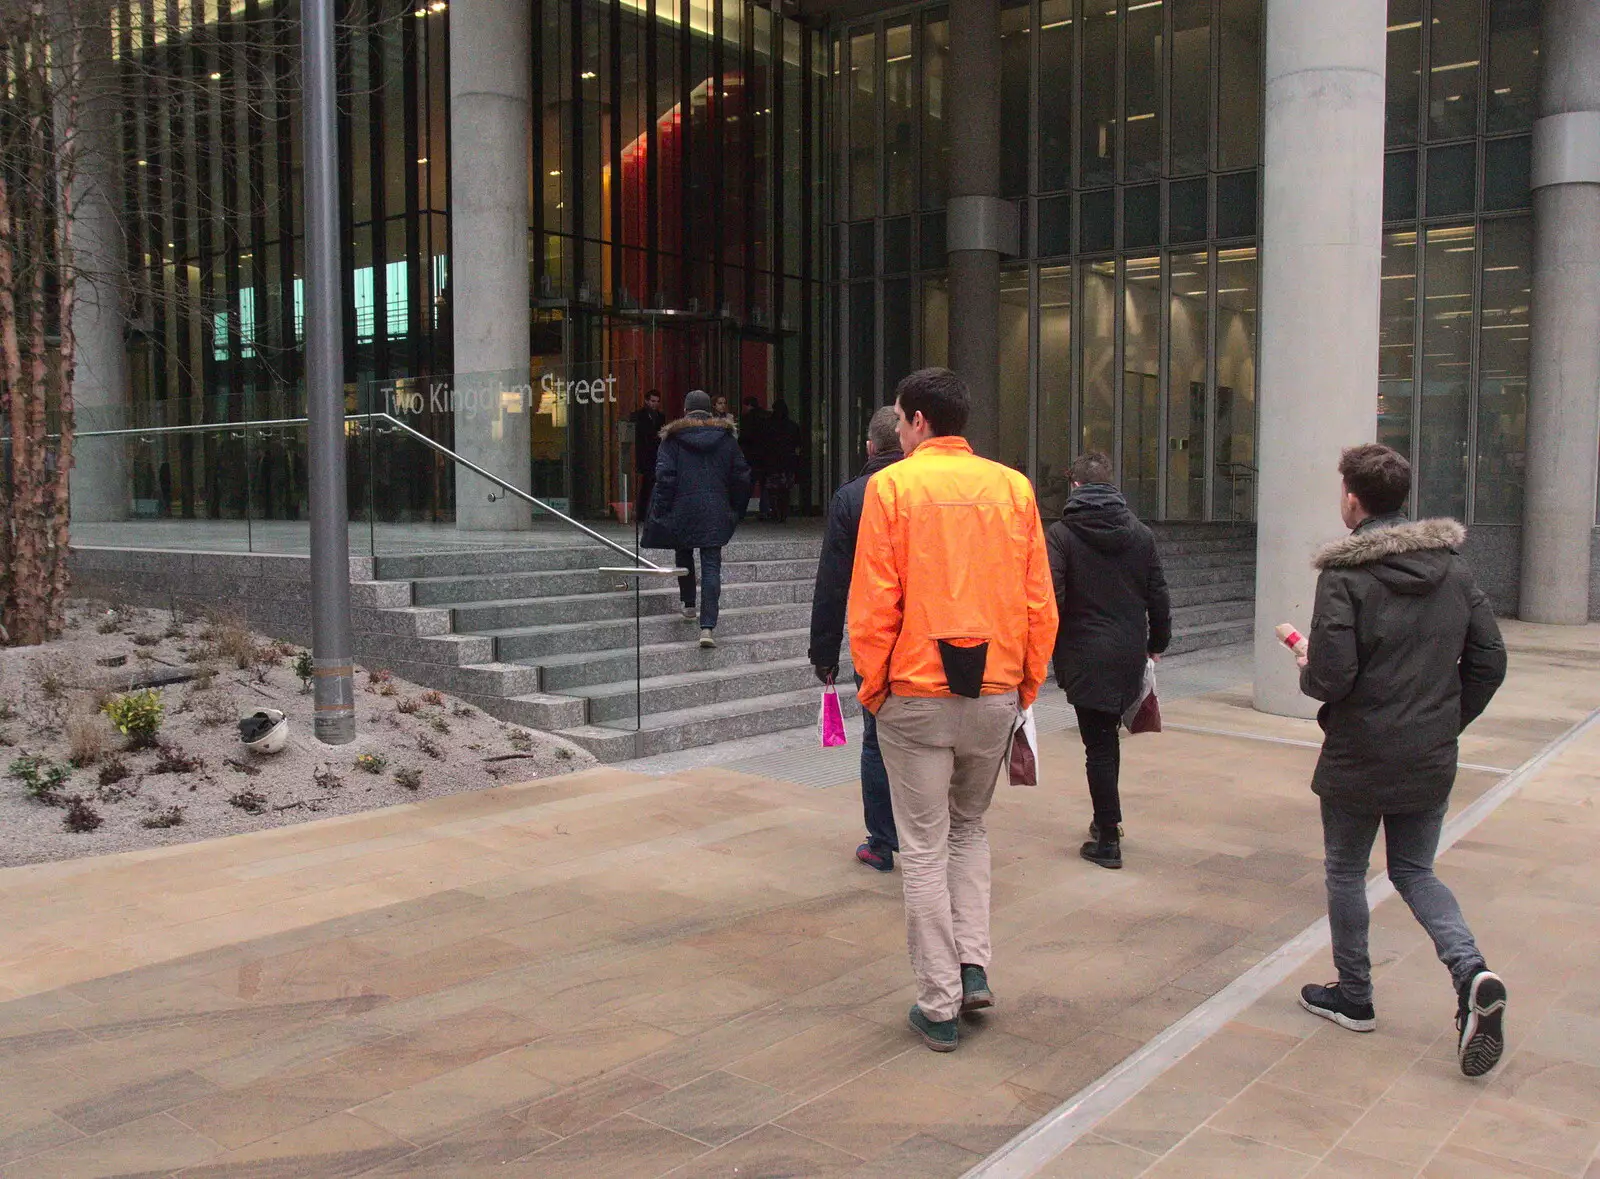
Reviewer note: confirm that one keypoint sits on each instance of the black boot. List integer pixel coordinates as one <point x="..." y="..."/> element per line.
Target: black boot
<point x="1105" y="851"/>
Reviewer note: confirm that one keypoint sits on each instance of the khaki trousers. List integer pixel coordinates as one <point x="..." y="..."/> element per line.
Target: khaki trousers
<point x="944" y="756"/>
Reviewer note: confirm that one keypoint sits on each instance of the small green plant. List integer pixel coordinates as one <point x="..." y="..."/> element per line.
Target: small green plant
<point x="80" y="817"/>
<point x="41" y="777"/>
<point x="521" y="740"/>
<point x="251" y="802"/>
<point x="463" y="711"/>
<point x="7" y="711"/>
<point x="410" y="777"/>
<point x="407" y="706"/>
<point x="379" y="678"/>
<point x="371" y="763"/>
<point x="326" y="778"/>
<point x="160" y="820"/>
<point x="429" y="746"/>
<point x="146" y="640"/>
<point x="138" y="716"/>
<point x="306" y="669"/>
<point x="439" y="725"/>
<point x="563" y="753"/>
<point x="433" y="698"/>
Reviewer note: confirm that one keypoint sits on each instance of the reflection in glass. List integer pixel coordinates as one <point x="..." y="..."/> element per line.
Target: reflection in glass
<point x="1142" y="91"/>
<point x="1055" y="94"/>
<point x="1097" y="326"/>
<point x="1453" y="71"/>
<point x="1191" y="85"/>
<point x="1397" y="336"/>
<point x="1015" y="109"/>
<point x="1503" y="371"/>
<point x="1097" y="152"/>
<point x="1449" y="259"/>
<point x="1014" y="368"/>
<point x="1508" y="173"/>
<point x="1141" y="385"/>
<point x="899" y="155"/>
<point x="1233" y="428"/>
<point x="1452" y="173"/>
<point x="897" y="317"/>
<point x="1187" y="334"/>
<point x="935" y="321"/>
<point x="861" y="343"/>
<point x="935" y="129"/>
<point x="1513" y="64"/>
<point x="1055" y="388"/>
<point x="1239" y="116"/>
<point x="1404" y="72"/>
<point x="863" y="126"/>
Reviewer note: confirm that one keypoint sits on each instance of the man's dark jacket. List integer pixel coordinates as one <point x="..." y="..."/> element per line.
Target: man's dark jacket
<point x="1405" y="654"/>
<point x="838" y="559"/>
<point x="1111" y="594"/>
<point x="702" y="485"/>
<point x="647" y="425"/>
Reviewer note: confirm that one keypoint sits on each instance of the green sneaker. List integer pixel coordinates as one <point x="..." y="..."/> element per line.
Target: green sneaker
<point x="975" y="992"/>
<point x="940" y="1035"/>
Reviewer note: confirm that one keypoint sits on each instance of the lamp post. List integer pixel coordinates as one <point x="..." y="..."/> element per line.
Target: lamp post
<point x="332" y="645"/>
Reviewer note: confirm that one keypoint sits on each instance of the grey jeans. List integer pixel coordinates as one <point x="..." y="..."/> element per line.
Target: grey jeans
<point x="1412" y="841"/>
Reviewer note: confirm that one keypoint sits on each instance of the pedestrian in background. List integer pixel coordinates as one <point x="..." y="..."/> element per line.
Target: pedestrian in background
<point x="1115" y="614"/>
<point x="647" y="422"/>
<point x="753" y="443"/>
<point x="782" y="462"/>
<point x="828" y="604"/>
<point x="951" y="624"/>
<point x="1404" y="653"/>
<point x="702" y="485"/>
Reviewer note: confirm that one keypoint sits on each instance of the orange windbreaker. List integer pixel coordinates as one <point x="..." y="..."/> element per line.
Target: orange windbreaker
<point x="951" y="548"/>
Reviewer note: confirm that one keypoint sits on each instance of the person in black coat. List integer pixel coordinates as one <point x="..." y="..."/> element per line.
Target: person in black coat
<point x="702" y="485"/>
<point x="1404" y="654"/>
<point x="647" y="422"/>
<point x="1111" y="594"/>
<point x="753" y="423"/>
<point x="828" y="605"/>
<point x="783" y="462"/>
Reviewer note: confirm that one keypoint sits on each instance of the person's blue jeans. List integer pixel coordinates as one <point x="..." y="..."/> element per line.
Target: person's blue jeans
<point x="875" y="788"/>
<point x="1412" y="841"/>
<point x="710" y="579"/>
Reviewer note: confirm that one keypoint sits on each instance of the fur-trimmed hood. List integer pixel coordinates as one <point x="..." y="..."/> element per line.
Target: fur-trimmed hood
<point x="1364" y="546"/>
<point x="705" y="431"/>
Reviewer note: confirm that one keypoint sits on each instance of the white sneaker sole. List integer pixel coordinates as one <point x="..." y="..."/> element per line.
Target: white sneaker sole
<point x="1483" y="1037"/>
<point x="1344" y="1021"/>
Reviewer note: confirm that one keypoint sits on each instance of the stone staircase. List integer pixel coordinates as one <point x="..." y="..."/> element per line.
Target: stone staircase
<point x="540" y="637"/>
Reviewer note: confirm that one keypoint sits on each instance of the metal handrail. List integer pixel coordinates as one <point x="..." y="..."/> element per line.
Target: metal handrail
<point x="641" y="566"/>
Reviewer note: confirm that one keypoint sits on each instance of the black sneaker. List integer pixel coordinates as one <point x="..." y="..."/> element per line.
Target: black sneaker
<point x="940" y="1035"/>
<point x="975" y="992"/>
<point x="1330" y="1003"/>
<point x="1094" y="831"/>
<point x="1480" y="1018"/>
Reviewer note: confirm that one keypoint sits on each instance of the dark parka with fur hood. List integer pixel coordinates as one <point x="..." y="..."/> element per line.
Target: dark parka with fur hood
<point x="1405" y="654"/>
<point x="702" y="485"/>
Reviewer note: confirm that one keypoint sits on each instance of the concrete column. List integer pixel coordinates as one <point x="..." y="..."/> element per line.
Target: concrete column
<point x="1564" y="374"/>
<point x="1320" y="255"/>
<point x="974" y="214"/>
<point x="99" y="483"/>
<point x="490" y="56"/>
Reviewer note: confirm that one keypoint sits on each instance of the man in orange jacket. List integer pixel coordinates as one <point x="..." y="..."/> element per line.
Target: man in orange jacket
<point x="952" y="620"/>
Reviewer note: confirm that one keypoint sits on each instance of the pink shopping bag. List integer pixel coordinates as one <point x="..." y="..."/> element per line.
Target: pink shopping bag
<point x="830" y="719"/>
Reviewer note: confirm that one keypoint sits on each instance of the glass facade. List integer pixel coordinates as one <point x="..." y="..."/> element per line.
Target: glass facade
<point x="722" y="197"/>
<point x="675" y="164"/>
<point x="1128" y="323"/>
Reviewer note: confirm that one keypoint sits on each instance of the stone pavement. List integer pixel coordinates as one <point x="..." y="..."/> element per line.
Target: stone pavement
<point x="620" y="974"/>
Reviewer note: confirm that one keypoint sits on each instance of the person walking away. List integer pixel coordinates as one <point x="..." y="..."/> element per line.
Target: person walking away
<point x="827" y="630"/>
<point x="1404" y="654"/>
<point x="647" y="422"/>
<point x="753" y="443"/>
<point x="702" y="484"/>
<point x="1115" y="613"/>
<point x="951" y="622"/>
<point x="783" y="462"/>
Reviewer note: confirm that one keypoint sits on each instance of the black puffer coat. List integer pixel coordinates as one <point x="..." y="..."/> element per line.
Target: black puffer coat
<point x="1405" y="654"/>
<point x="837" y="562"/>
<point x="1112" y="597"/>
<point x="702" y="486"/>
